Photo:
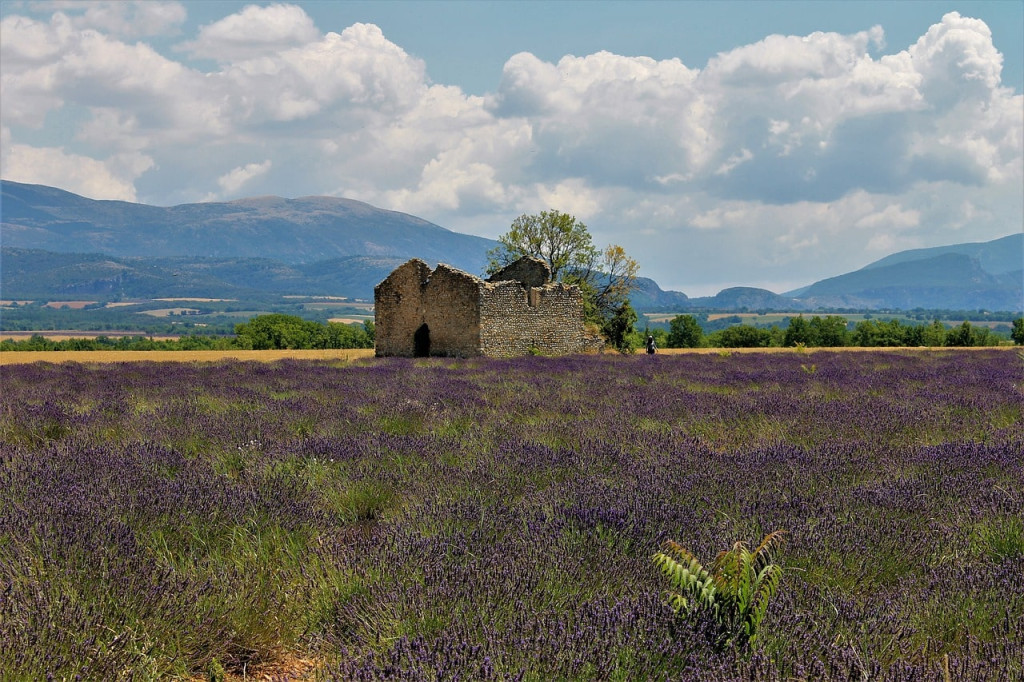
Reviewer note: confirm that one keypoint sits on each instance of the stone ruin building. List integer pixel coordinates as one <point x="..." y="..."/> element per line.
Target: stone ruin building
<point x="447" y="312"/>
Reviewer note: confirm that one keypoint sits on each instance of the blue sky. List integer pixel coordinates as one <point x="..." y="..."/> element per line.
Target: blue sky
<point x="467" y="43"/>
<point x="721" y="143"/>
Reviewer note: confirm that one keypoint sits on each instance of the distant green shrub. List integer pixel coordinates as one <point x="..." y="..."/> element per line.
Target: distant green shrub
<point x="263" y="332"/>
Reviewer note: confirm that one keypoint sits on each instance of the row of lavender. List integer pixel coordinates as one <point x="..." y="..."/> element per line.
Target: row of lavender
<point x="489" y="519"/>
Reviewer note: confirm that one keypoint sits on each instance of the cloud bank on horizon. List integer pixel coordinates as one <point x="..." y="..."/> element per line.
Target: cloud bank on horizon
<point x="774" y="164"/>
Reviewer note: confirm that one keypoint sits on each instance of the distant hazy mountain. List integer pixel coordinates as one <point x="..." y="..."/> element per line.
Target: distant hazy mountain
<point x="301" y="230"/>
<point x="340" y="247"/>
<point x="997" y="257"/>
<point x="34" y="274"/>
<point x="988" y="275"/>
<point x="750" y="298"/>
<point x="648" y="296"/>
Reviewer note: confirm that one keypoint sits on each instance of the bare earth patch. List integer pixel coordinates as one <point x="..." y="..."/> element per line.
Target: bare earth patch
<point x="73" y="305"/>
<point x="292" y="668"/>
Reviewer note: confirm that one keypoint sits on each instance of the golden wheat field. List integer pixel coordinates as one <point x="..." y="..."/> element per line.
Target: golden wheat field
<point x="350" y="354"/>
<point x="103" y="356"/>
<point x="67" y="335"/>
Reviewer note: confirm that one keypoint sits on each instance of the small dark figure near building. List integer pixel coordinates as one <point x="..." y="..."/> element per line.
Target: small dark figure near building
<point x="652" y="348"/>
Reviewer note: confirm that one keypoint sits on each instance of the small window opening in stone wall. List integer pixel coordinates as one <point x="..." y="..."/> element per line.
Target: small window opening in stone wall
<point x="421" y="341"/>
<point x="533" y="297"/>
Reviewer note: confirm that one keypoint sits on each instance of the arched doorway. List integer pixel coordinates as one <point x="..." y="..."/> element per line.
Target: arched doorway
<point x="421" y="341"/>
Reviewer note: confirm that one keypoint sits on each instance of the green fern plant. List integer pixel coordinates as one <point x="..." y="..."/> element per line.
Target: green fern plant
<point x="735" y="591"/>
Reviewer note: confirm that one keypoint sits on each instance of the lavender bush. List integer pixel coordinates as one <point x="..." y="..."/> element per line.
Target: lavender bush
<point x="489" y="519"/>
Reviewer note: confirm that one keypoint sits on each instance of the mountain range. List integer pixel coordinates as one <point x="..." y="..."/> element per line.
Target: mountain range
<point x="58" y="244"/>
<point x="288" y="230"/>
<point x="963" y="277"/>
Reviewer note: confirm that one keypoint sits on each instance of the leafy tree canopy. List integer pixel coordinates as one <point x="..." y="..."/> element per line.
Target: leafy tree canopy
<point x="606" y="276"/>
<point x="742" y="336"/>
<point x="685" y="332"/>
<point x="279" y="331"/>
<point x="620" y="327"/>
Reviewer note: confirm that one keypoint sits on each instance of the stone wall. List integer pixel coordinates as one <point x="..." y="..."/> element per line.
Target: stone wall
<point x="398" y="306"/>
<point x="445" y="300"/>
<point x="517" y="320"/>
<point x="452" y="312"/>
<point x="448" y="312"/>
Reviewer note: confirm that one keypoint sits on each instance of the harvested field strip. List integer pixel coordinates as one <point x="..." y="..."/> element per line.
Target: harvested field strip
<point x="845" y="349"/>
<point x="101" y="356"/>
<point x="89" y="356"/>
<point x="65" y="334"/>
<point x="73" y="305"/>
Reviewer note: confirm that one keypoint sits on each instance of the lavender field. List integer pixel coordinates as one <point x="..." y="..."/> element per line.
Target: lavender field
<point x="495" y="520"/>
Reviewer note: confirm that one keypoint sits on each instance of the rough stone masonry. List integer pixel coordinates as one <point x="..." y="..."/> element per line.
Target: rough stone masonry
<point x="447" y="312"/>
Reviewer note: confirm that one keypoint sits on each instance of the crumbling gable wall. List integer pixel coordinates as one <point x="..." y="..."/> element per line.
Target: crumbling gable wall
<point x="398" y="302"/>
<point x="420" y="311"/>
<point x="531" y="272"/>
<point x="452" y="313"/>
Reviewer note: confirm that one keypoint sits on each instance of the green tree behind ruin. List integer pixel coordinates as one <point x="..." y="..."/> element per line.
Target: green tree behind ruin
<point x="606" y="276"/>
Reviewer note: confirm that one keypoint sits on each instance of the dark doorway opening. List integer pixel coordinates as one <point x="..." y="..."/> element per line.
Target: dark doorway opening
<point x="421" y="341"/>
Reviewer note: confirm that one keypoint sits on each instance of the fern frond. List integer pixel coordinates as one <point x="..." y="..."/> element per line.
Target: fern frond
<point x="723" y="569"/>
<point x="767" y="586"/>
<point x="678" y="602"/>
<point x="725" y="562"/>
<point x="747" y="579"/>
<point x="736" y="590"/>
<point x="763" y="552"/>
<point x="684" y="577"/>
<point x="678" y="550"/>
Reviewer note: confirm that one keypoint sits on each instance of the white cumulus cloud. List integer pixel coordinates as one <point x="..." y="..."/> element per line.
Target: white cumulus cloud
<point x="112" y="178"/>
<point x="233" y="180"/>
<point x="807" y="152"/>
<point x="124" y="18"/>
<point x="254" y="32"/>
